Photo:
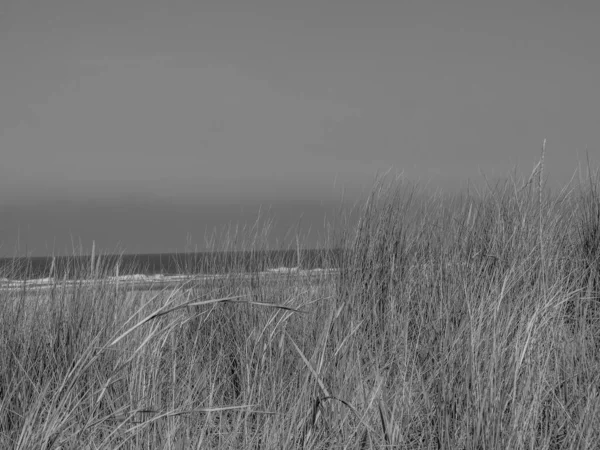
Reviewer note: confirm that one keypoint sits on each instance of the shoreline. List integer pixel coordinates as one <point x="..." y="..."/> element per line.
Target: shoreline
<point x="152" y="282"/>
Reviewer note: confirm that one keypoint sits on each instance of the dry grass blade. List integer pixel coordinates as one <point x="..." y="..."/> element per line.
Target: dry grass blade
<point x="162" y="312"/>
<point x="209" y="409"/>
<point x="310" y="367"/>
<point x="316" y="410"/>
<point x="251" y="302"/>
<point x="384" y="425"/>
<point x="233" y="299"/>
<point x="179" y="413"/>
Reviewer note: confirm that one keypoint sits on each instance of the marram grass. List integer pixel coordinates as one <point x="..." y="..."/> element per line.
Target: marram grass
<point x="455" y="322"/>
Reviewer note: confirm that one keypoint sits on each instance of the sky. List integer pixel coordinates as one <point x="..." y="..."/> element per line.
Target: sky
<point x="143" y="124"/>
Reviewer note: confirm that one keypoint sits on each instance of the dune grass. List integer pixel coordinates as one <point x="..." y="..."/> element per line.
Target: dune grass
<point x="468" y="321"/>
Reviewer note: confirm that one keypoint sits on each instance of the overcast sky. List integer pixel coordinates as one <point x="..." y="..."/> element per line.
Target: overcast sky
<point x="127" y="121"/>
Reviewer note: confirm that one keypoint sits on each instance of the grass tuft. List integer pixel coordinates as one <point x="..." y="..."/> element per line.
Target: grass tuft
<point x="464" y="321"/>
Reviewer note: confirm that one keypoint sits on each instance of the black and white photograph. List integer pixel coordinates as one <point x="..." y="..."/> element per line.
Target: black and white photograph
<point x="299" y="224"/>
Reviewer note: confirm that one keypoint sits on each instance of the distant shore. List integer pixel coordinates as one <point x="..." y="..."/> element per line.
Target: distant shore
<point x="157" y="281"/>
<point x="168" y="264"/>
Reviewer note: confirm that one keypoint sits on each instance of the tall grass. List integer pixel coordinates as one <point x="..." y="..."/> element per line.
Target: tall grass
<point x="465" y="321"/>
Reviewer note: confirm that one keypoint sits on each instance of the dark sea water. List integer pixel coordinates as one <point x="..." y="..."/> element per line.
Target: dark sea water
<point x="74" y="267"/>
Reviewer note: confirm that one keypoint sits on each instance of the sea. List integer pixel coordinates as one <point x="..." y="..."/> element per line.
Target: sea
<point x="167" y="264"/>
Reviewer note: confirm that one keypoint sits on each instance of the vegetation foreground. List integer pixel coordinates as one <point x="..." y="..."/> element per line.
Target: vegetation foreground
<point x="464" y="322"/>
